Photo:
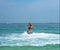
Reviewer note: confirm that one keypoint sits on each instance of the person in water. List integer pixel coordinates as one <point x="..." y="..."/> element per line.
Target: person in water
<point x="30" y="27"/>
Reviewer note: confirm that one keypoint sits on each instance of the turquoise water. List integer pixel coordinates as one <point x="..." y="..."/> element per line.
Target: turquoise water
<point x="15" y="34"/>
<point x="48" y="47"/>
<point x="22" y="27"/>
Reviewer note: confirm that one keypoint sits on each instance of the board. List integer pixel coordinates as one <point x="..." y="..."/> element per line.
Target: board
<point x="29" y="32"/>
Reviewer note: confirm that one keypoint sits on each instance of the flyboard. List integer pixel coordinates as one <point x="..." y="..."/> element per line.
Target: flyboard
<point x="29" y="32"/>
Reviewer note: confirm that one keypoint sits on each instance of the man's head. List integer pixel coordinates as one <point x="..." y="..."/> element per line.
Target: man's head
<point x="30" y="24"/>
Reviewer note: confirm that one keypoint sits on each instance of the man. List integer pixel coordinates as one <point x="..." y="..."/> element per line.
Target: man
<point x="30" y="27"/>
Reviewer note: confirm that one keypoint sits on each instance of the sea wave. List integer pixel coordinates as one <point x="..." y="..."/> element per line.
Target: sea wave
<point x="34" y="39"/>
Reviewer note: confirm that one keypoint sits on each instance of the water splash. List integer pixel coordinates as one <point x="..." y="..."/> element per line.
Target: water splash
<point x="34" y="39"/>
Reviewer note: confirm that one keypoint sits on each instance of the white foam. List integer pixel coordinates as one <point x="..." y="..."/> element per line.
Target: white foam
<point x="34" y="39"/>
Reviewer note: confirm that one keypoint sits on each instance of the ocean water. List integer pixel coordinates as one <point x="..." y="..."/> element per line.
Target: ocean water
<point x="15" y="34"/>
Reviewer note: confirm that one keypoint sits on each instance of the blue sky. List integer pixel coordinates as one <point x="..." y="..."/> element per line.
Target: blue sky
<point x="24" y="11"/>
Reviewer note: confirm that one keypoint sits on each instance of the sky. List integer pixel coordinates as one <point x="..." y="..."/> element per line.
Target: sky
<point x="24" y="11"/>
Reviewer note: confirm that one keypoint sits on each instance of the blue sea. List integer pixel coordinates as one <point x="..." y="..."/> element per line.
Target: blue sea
<point x="15" y="34"/>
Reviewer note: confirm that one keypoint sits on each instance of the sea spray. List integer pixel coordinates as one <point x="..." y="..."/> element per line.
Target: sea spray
<point x="34" y="39"/>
